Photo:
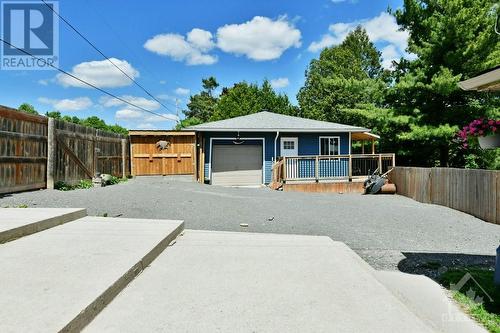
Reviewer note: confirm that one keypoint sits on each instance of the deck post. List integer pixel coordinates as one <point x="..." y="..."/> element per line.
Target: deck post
<point x="350" y="167"/>
<point x="393" y="160"/>
<point x="373" y="147"/>
<point x="316" y="169"/>
<point x="363" y="147"/>
<point x="284" y="169"/>
<point x="380" y="163"/>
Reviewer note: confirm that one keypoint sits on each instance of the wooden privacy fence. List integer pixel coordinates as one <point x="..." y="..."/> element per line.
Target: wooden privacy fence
<point x="472" y="191"/>
<point x="23" y="151"/>
<point x="36" y="152"/>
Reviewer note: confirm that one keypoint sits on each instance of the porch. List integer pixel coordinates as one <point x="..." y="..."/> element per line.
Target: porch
<point x="332" y="168"/>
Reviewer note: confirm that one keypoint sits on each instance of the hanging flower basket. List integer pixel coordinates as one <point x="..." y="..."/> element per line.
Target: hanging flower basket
<point x="489" y="142"/>
<point x="485" y="130"/>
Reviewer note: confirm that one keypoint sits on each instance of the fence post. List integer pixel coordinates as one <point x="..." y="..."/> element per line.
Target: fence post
<point x="51" y="152"/>
<point x="124" y="157"/>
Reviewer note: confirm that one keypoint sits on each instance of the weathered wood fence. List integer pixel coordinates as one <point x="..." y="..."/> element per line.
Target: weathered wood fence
<point x="36" y="152"/>
<point x="472" y="191"/>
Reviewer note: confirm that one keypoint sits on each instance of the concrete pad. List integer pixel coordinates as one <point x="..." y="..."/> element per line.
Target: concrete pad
<point x="59" y="279"/>
<point x="429" y="301"/>
<point x="19" y="222"/>
<point x="243" y="282"/>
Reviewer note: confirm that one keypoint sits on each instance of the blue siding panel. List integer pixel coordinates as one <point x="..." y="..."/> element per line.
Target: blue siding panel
<point x="309" y="142"/>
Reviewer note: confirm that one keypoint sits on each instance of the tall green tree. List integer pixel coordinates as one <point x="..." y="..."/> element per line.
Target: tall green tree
<point x="343" y="76"/>
<point x="201" y="106"/>
<point x="244" y="98"/>
<point x="28" y="108"/>
<point x="453" y="40"/>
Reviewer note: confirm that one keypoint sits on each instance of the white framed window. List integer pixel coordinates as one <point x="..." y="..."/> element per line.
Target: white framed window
<point x="329" y="145"/>
<point x="288" y="144"/>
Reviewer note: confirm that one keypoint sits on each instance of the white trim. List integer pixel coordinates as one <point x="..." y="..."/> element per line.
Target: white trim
<point x="275" y="143"/>
<point x="263" y="156"/>
<point x="350" y="143"/>
<point x="295" y="139"/>
<point x="328" y="137"/>
<point x="284" y="130"/>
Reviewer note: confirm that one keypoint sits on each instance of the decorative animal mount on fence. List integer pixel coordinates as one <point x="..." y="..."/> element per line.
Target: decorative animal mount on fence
<point x="162" y="145"/>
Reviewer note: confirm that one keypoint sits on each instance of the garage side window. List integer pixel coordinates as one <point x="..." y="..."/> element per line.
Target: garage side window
<point x="329" y="145"/>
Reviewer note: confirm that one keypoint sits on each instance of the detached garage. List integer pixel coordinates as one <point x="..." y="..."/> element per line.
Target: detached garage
<point x="241" y="151"/>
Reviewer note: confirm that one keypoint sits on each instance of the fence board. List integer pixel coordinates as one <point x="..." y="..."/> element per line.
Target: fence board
<point x="23" y="150"/>
<point x="471" y="191"/>
<point x="95" y="150"/>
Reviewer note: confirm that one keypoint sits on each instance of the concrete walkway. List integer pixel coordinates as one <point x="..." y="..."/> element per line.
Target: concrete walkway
<point x="61" y="277"/>
<point x="241" y="282"/>
<point x="19" y="222"/>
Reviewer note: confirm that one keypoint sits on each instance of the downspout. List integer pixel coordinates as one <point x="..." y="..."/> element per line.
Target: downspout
<point x="275" y="142"/>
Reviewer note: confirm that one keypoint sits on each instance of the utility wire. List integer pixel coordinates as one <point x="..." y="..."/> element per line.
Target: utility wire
<point x="85" y="82"/>
<point x="104" y="56"/>
<point x="102" y="19"/>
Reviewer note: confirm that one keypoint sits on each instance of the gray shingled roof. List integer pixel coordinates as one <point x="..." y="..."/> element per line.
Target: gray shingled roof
<point x="271" y="122"/>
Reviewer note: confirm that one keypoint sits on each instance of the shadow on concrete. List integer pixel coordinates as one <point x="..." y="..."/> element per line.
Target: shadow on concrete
<point x="434" y="264"/>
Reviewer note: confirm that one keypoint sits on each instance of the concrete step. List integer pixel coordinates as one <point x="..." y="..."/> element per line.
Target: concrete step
<point x="19" y="222"/>
<point x="243" y="282"/>
<point x="59" y="279"/>
<point x="429" y="301"/>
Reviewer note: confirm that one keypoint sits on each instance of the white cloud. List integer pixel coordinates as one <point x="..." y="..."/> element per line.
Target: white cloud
<point x="100" y="73"/>
<point x="133" y="114"/>
<point x="201" y="39"/>
<point x="380" y="29"/>
<point x="166" y="97"/>
<point x="182" y="91"/>
<point x="281" y="82"/>
<point x="128" y="114"/>
<point x="145" y="126"/>
<point x="75" y="104"/>
<point x="389" y="54"/>
<point x="163" y="82"/>
<point x="142" y="102"/>
<point x="161" y="118"/>
<point x="191" y="51"/>
<point x="259" y="39"/>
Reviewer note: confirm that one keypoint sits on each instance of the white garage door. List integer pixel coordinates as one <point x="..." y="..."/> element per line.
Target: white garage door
<point x="234" y="165"/>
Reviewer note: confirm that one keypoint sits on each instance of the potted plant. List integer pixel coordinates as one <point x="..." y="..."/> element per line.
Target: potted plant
<point x="486" y="131"/>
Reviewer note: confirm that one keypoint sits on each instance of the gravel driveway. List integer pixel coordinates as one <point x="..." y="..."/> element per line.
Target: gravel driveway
<point x="379" y="228"/>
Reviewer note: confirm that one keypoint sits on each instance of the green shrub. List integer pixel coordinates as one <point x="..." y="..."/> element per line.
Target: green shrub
<point x="82" y="184"/>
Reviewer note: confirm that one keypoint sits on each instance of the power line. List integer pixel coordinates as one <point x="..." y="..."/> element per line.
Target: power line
<point x="85" y="82"/>
<point x="104" y="56"/>
<point x="102" y="19"/>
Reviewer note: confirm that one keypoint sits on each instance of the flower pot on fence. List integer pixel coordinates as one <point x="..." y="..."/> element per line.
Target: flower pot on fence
<point x="490" y="141"/>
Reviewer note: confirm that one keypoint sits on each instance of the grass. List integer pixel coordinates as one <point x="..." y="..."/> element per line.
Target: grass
<point x="487" y="313"/>
<point x="83" y="184"/>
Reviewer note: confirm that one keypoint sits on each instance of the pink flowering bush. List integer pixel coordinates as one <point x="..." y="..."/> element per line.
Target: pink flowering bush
<point x="478" y="127"/>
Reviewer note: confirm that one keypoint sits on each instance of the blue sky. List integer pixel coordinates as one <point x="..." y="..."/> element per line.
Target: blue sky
<point x="169" y="46"/>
